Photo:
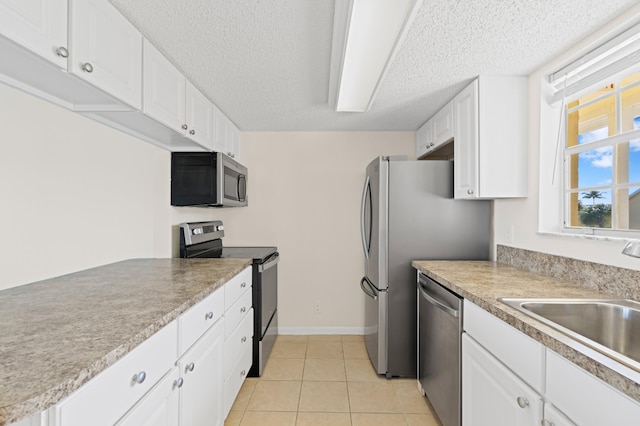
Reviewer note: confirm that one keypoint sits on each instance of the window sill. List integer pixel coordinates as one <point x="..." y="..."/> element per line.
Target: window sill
<point x="584" y="235"/>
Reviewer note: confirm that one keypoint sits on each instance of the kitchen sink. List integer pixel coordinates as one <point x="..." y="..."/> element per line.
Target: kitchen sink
<point x="610" y="326"/>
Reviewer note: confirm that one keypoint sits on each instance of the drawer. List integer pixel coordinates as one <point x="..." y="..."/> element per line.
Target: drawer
<point x="234" y="315"/>
<point x="109" y="395"/>
<point x="234" y="381"/>
<point x="236" y="286"/>
<point x="519" y="352"/>
<point x="584" y="398"/>
<point x="238" y="342"/>
<point x="194" y="322"/>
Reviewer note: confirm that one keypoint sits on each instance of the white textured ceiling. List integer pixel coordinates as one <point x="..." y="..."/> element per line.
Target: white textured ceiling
<point x="265" y="63"/>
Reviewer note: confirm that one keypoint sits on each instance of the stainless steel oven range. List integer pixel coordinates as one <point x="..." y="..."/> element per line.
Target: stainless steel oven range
<point x="204" y="240"/>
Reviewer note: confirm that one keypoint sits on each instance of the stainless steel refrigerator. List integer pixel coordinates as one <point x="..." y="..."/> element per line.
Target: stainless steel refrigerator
<point x="408" y="213"/>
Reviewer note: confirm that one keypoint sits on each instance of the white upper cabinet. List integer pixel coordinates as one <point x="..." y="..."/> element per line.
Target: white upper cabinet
<point x="164" y="89"/>
<point x="443" y="125"/>
<point x="106" y="50"/>
<point x="38" y="25"/>
<point x="424" y="139"/>
<point x="199" y="117"/>
<point x="490" y="138"/>
<point x="465" y="174"/>
<point x="172" y="100"/>
<point x="227" y="136"/>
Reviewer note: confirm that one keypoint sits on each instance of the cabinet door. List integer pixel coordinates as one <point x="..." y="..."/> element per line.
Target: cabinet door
<point x="164" y="89"/>
<point x="199" y="117"/>
<point x="493" y="395"/>
<point x="159" y="407"/>
<point x="465" y="111"/>
<point x="38" y="25"/>
<point x="424" y="139"/>
<point x="233" y="141"/>
<point x="201" y="395"/>
<point x="553" y="417"/>
<point x="219" y="131"/>
<point x="443" y="125"/>
<point x="106" y="50"/>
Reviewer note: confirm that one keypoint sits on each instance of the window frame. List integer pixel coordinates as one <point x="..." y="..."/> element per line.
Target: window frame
<point x="616" y="140"/>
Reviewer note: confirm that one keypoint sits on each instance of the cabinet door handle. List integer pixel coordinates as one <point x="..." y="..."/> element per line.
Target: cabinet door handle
<point x="138" y="377"/>
<point x="185" y="127"/>
<point x="243" y="372"/>
<point x="62" y="52"/>
<point x="470" y="191"/>
<point x="87" y="67"/>
<point x="192" y="132"/>
<point x="189" y="367"/>
<point x="244" y="339"/>
<point x="243" y="310"/>
<point x="522" y="402"/>
<point x="208" y="316"/>
<point x="243" y="285"/>
<point x="178" y="383"/>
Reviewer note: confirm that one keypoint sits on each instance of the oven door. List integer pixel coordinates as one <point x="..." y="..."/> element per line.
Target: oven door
<point x="232" y="182"/>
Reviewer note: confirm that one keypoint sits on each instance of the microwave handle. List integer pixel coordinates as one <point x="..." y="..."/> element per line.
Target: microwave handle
<point x="242" y="188"/>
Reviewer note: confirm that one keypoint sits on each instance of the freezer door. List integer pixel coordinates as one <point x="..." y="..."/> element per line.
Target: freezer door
<point x="375" y="325"/>
<point x="374" y="222"/>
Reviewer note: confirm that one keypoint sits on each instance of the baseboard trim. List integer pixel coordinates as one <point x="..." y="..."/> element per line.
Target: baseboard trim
<point x="320" y="330"/>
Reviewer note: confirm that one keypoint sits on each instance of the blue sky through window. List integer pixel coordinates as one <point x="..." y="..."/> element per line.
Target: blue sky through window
<point x="595" y="166"/>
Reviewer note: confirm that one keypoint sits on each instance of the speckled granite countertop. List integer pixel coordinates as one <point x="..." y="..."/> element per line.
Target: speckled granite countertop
<point x="57" y="334"/>
<point x="484" y="282"/>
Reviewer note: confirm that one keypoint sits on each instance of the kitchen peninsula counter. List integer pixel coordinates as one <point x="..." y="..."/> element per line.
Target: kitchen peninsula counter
<point x="56" y="334"/>
<point x="483" y="282"/>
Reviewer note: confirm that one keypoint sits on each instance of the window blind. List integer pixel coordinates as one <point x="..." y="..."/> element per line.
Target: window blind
<point x="608" y="59"/>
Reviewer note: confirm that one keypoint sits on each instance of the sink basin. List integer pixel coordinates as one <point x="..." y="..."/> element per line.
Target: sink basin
<point x="610" y="326"/>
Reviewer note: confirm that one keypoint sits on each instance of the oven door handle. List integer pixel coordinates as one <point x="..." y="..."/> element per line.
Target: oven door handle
<point x="273" y="261"/>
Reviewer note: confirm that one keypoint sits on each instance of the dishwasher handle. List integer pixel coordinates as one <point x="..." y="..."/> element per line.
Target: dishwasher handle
<point x="453" y="312"/>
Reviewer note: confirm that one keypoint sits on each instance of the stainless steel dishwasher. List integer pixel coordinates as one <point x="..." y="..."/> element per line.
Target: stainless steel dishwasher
<point x="439" y="343"/>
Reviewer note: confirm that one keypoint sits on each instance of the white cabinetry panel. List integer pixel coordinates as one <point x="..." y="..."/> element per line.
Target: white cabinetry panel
<point x="38" y="25"/>
<point x="492" y="394"/>
<point x="584" y="398"/>
<point x="164" y="89"/>
<point x="106" y="50"/>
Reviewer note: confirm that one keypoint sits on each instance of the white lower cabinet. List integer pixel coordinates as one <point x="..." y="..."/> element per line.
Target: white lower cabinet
<point x="584" y="398"/>
<point x="202" y="374"/>
<point x="159" y="407"/>
<point x="492" y="394"/>
<point x="553" y="417"/>
<point x="109" y="395"/>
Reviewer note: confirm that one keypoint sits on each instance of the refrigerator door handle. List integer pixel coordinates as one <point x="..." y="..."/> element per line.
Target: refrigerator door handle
<point x="369" y="291"/>
<point x="362" y="215"/>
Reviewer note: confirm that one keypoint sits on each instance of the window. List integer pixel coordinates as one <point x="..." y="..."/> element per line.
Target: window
<point x="602" y="156"/>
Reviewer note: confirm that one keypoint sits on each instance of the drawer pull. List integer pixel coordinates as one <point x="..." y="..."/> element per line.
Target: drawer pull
<point x="522" y="402"/>
<point x="208" y="316"/>
<point x="178" y="383"/>
<point x="243" y="372"/>
<point x="243" y="310"/>
<point x="189" y="367"/>
<point x="138" y="377"/>
<point x="243" y="285"/>
<point x="62" y="52"/>
<point x="244" y="339"/>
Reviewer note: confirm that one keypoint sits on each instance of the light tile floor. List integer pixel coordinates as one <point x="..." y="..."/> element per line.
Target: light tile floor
<point x="327" y="381"/>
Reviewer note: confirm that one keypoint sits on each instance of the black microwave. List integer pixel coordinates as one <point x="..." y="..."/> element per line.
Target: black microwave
<point x="207" y="179"/>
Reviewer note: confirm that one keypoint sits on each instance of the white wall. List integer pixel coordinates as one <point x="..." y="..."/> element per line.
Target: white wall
<point x="524" y="214"/>
<point x="74" y="193"/>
